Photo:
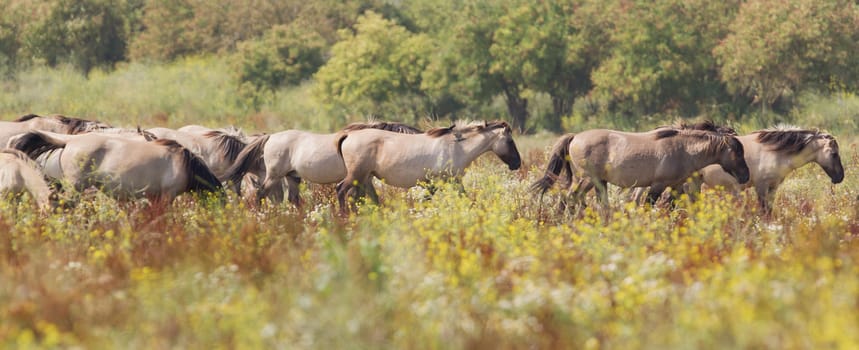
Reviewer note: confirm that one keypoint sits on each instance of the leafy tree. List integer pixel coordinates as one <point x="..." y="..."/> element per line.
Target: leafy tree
<point x="660" y="55"/>
<point x="776" y="47"/>
<point x="551" y="47"/>
<point x="85" y="33"/>
<point x="174" y="28"/>
<point x="285" y="55"/>
<point x="377" y="69"/>
<point x="514" y="49"/>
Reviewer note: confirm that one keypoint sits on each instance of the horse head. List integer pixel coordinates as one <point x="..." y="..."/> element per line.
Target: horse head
<point x="732" y="159"/>
<point x="503" y="145"/>
<point x="827" y="156"/>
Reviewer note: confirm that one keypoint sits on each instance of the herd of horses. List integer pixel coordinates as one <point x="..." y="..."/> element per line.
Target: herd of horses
<point x="162" y="163"/>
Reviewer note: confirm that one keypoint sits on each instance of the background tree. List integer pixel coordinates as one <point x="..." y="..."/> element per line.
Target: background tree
<point x="85" y="33"/>
<point x="376" y="70"/>
<point x="778" y="47"/>
<point x="661" y="57"/>
<point x="285" y="55"/>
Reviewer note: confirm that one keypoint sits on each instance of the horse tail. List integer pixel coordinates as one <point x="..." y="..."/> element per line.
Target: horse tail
<point x="200" y="178"/>
<point x="249" y="158"/>
<point x="340" y="139"/>
<point x="36" y="143"/>
<point x="558" y="163"/>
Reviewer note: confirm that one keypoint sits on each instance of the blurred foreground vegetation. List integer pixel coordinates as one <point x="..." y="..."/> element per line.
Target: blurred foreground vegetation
<point x="492" y="268"/>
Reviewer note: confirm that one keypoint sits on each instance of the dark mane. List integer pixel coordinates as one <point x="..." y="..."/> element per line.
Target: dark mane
<point x="716" y="142"/>
<point x="229" y="145"/>
<point x="707" y="125"/>
<point x="666" y="133"/>
<point x="27" y="117"/>
<point x="472" y="127"/>
<point x="166" y="143"/>
<point x="387" y="126"/>
<point x="439" y="132"/>
<point x="790" y="141"/>
<point x="74" y="125"/>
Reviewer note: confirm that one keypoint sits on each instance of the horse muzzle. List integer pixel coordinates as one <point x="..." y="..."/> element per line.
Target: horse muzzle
<point x="837" y="178"/>
<point x="741" y="176"/>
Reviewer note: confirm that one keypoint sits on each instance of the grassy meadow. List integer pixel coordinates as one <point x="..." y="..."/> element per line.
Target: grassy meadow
<point x="494" y="267"/>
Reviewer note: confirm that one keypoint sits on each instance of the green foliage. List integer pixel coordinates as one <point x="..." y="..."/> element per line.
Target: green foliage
<point x="285" y="55"/>
<point x="377" y="70"/>
<point x="172" y="29"/>
<point x="776" y="48"/>
<point x="84" y="33"/>
<point x="661" y="57"/>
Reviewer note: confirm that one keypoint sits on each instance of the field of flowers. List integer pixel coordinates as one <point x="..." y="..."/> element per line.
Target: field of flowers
<point x="494" y="267"/>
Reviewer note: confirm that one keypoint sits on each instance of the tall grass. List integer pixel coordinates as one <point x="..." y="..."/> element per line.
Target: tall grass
<point x="197" y="90"/>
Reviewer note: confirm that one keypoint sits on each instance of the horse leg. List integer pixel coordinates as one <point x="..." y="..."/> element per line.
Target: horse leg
<point x="342" y="189"/>
<point x="655" y="192"/>
<point x="293" y="190"/>
<point x="602" y="191"/>
<point x="766" y="195"/>
<point x="577" y="192"/>
<point x="371" y="191"/>
<point x="271" y="189"/>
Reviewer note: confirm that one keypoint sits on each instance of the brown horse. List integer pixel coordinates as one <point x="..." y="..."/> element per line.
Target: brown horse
<point x="707" y="125"/>
<point x="773" y="154"/>
<point x="19" y="174"/>
<point x="121" y="167"/>
<point x="402" y="160"/>
<point x="54" y="123"/>
<point x="296" y="155"/>
<point x="657" y="159"/>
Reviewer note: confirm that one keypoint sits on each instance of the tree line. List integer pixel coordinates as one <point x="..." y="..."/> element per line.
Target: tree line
<point x="447" y="58"/>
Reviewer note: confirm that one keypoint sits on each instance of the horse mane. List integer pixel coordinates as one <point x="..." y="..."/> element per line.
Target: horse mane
<point x="229" y="145"/>
<point x="716" y="141"/>
<point x="401" y="128"/>
<point x="200" y="178"/>
<point x="468" y="128"/>
<point x="73" y="125"/>
<point x="27" y="117"/>
<point x="787" y="139"/>
<point x="705" y="125"/>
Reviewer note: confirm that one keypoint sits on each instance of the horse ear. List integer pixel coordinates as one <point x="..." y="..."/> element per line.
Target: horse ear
<point x="485" y="124"/>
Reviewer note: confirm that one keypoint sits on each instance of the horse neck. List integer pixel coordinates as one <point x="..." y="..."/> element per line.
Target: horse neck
<point x="467" y="150"/>
<point x="700" y="158"/>
<point x="807" y="155"/>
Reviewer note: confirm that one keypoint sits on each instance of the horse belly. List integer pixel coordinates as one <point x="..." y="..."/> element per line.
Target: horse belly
<point x="403" y="177"/>
<point x="321" y="169"/>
